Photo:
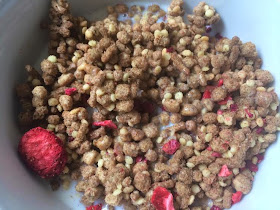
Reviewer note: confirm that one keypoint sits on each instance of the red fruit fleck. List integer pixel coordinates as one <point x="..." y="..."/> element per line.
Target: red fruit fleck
<point x="162" y="199"/>
<point x="70" y="91"/>
<point x="163" y="109"/>
<point x="218" y="36"/>
<point x="216" y="154"/>
<point x="170" y="50"/>
<point x="259" y="130"/>
<point x="260" y="157"/>
<point x="208" y="28"/>
<point x="224" y="102"/>
<point x="251" y="166"/>
<point x="94" y="207"/>
<point x="220" y="82"/>
<point x="224" y="172"/>
<point x="106" y="123"/>
<point x="208" y="91"/>
<point x="220" y="112"/>
<point x="233" y="107"/>
<point x="209" y="148"/>
<point x="206" y="94"/>
<point x="43" y="152"/>
<point x="140" y="159"/>
<point x="248" y="113"/>
<point x="236" y="197"/>
<point x="171" y="147"/>
<point x="215" y="208"/>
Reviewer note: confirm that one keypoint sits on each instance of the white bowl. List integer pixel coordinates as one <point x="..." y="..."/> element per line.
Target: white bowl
<point x="23" y="42"/>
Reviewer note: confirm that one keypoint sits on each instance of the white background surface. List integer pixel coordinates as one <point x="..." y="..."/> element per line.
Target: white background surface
<point x="22" y="42"/>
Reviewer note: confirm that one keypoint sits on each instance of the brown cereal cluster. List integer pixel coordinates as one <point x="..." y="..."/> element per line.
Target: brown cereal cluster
<point x="212" y="89"/>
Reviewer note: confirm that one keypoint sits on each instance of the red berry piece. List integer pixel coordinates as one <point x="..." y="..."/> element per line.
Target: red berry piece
<point x="106" y="123"/>
<point x="94" y="207"/>
<point x="233" y="107"/>
<point x="224" y="172"/>
<point x="236" y="197"/>
<point x="215" y="208"/>
<point x="216" y="154"/>
<point x="162" y="199"/>
<point x="171" y="147"/>
<point x="43" y="152"/>
<point x="70" y="91"/>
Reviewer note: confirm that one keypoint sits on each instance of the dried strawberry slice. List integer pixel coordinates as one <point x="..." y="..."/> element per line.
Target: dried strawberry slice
<point x="224" y="172"/>
<point x="251" y="166"/>
<point x="260" y="157"/>
<point x="224" y="102"/>
<point x="94" y="207"/>
<point x="162" y="199"/>
<point x="70" y="91"/>
<point x="216" y="154"/>
<point x="171" y="147"/>
<point x="43" y="152"/>
<point x="215" y="208"/>
<point x="236" y="197"/>
<point x="106" y="123"/>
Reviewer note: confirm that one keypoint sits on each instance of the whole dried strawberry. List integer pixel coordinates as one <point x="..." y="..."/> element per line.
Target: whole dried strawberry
<point x="43" y="152"/>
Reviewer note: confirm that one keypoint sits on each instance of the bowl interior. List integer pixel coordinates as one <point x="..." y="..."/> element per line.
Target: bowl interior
<point x="23" y="42"/>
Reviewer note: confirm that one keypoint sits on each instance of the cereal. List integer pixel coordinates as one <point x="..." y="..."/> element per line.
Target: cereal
<point x="220" y="103"/>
